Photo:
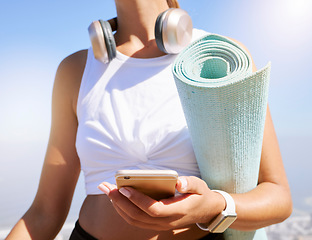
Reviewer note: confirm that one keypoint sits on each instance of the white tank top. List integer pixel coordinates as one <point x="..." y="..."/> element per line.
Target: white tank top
<point x="130" y="117"/>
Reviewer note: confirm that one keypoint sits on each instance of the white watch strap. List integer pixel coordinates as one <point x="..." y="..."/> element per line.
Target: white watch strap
<point x="230" y="204"/>
<point x="218" y="224"/>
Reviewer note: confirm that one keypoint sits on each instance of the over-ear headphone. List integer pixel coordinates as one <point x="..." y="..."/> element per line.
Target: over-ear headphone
<point x="173" y="32"/>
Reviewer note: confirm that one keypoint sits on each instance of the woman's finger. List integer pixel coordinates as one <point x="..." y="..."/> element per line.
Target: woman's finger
<point x="157" y="209"/>
<point x="141" y="224"/>
<point x="191" y="185"/>
<point x="133" y="203"/>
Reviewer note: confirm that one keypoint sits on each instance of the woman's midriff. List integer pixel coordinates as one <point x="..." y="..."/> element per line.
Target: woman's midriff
<point x="99" y="218"/>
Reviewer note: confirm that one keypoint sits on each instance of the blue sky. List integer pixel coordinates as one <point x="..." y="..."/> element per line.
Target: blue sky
<point x="35" y="36"/>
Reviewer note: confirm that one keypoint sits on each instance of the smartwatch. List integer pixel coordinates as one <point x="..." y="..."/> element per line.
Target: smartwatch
<point x="224" y="219"/>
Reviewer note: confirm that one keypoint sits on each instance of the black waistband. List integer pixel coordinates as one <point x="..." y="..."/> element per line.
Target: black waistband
<point x="80" y="234"/>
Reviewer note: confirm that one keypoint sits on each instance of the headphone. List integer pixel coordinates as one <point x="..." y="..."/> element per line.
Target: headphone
<point x="173" y="32"/>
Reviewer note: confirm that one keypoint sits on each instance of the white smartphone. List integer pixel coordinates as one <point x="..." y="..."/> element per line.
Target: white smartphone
<point x="158" y="184"/>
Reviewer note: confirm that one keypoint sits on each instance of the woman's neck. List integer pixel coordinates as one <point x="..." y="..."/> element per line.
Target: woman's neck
<point x="136" y="22"/>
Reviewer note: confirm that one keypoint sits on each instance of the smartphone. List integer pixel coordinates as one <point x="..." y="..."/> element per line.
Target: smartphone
<point x="158" y="184"/>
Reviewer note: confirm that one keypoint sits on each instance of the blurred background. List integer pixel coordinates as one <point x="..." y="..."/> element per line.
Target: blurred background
<point x="36" y="35"/>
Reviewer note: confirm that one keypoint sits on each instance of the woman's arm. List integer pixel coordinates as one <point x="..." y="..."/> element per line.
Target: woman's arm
<point x="270" y="202"/>
<point x="61" y="168"/>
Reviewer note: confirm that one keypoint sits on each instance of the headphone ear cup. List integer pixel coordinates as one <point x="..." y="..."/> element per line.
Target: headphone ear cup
<point x="158" y="31"/>
<point x="102" y="40"/>
<point x="109" y="39"/>
<point x="173" y="30"/>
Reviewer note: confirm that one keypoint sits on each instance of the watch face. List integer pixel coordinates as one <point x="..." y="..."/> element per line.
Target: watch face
<point x="223" y="223"/>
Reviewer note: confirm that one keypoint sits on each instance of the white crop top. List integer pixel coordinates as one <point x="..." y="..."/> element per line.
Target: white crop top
<point x="130" y="117"/>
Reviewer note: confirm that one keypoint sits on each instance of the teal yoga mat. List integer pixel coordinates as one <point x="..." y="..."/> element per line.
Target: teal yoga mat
<point x="224" y="104"/>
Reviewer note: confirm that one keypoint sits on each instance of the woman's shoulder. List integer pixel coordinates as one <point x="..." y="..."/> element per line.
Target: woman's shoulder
<point x="69" y="75"/>
<point x="200" y="33"/>
<point x="254" y="68"/>
<point x="73" y="65"/>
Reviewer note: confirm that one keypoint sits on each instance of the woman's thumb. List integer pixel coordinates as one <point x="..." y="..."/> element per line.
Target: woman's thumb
<point x="191" y="185"/>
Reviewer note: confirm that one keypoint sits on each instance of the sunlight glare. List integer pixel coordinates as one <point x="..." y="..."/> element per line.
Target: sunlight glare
<point x="299" y="8"/>
<point x="288" y="22"/>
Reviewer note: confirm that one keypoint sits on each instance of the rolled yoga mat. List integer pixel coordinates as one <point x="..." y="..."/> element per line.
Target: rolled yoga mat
<point x="224" y="104"/>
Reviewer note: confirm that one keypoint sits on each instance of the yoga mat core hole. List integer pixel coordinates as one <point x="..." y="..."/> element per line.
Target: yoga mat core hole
<point x="214" y="68"/>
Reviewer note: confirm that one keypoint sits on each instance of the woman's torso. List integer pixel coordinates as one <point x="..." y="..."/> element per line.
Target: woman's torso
<point x="130" y="117"/>
<point x="99" y="218"/>
<point x="136" y="134"/>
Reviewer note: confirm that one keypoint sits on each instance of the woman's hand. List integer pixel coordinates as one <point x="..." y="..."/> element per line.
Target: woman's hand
<point x="196" y="203"/>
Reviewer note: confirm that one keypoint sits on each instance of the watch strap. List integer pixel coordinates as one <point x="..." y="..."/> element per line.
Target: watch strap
<point x="230" y="204"/>
<point x="224" y="219"/>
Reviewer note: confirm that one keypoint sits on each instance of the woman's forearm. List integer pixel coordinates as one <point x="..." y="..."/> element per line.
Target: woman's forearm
<point x="270" y="202"/>
<point x="267" y="204"/>
<point x="35" y="225"/>
<point x="19" y="231"/>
